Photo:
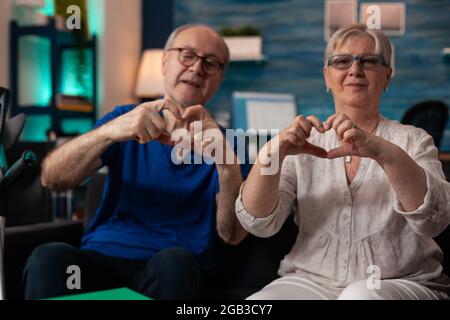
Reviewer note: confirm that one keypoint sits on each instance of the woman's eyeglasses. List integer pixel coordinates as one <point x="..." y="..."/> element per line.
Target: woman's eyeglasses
<point x="188" y="57"/>
<point x="366" y="61"/>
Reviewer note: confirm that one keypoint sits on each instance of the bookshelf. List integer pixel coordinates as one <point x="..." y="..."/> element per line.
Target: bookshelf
<point x="60" y="106"/>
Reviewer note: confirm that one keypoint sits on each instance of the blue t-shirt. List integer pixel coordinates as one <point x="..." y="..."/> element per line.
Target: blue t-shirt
<point x="150" y="203"/>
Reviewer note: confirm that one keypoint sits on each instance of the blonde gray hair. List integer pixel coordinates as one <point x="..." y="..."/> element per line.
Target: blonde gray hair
<point x="343" y="35"/>
<point x="177" y="31"/>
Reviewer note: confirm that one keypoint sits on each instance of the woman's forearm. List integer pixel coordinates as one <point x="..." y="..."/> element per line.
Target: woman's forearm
<point x="405" y="175"/>
<point x="260" y="191"/>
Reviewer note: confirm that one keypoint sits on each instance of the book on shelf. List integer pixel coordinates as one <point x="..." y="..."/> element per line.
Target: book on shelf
<point x="76" y="103"/>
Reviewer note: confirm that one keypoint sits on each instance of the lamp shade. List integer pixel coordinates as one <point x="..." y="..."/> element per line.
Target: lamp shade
<point x="150" y="81"/>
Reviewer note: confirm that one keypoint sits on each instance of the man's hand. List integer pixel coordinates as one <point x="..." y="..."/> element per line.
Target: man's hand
<point x="209" y="134"/>
<point x="144" y="123"/>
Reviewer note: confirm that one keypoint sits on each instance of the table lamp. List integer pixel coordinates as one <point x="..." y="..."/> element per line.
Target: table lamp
<point x="150" y="81"/>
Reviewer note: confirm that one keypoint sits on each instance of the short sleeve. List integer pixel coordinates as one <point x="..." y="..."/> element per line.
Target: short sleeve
<point x="111" y="152"/>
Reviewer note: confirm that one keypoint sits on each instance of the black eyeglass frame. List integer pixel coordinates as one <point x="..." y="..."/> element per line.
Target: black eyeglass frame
<point x="179" y="49"/>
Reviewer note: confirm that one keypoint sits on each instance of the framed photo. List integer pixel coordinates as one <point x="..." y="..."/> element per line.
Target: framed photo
<point x="391" y="16"/>
<point x="338" y="13"/>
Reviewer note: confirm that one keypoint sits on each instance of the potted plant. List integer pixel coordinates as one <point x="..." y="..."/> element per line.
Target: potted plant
<point x="245" y="43"/>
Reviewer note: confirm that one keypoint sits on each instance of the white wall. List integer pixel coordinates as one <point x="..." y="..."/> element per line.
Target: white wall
<point x="120" y="50"/>
<point x="5" y="13"/>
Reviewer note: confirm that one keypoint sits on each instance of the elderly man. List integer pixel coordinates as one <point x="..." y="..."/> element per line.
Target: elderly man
<point x="156" y="228"/>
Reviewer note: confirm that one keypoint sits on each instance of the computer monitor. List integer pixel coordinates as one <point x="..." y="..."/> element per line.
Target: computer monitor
<point x="262" y="111"/>
<point x="261" y="116"/>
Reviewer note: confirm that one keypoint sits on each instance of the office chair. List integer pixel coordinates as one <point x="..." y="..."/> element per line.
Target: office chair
<point x="429" y="115"/>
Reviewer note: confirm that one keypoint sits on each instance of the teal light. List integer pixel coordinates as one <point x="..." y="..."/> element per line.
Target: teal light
<point x="70" y="83"/>
<point x="76" y="126"/>
<point x="35" y="87"/>
<point x="3" y="162"/>
<point x="95" y="16"/>
<point x="48" y="9"/>
<point x="35" y="129"/>
<point x="36" y="90"/>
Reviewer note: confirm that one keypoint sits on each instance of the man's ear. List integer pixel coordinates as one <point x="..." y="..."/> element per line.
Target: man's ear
<point x="164" y="63"/>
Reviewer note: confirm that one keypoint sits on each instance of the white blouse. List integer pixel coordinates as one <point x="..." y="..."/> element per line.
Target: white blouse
<point x="344" y="229"/>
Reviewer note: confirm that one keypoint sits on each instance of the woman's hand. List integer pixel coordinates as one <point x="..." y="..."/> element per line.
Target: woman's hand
<point x="355" y="141"/>
<point x="293" y="140"/>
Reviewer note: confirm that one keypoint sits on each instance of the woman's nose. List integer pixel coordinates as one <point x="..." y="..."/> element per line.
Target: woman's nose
<point x="355" y="69"/>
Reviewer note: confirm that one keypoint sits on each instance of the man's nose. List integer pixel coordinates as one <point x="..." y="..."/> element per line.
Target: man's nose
<point x="197" y="67"/>
<point x="356" y="69"/>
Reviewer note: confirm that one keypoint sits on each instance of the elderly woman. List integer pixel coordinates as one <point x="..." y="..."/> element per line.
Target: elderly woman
<point x="369" y="193"/>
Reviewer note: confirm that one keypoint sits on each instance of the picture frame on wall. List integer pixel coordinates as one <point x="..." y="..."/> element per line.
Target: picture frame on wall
<point x="338" y="13"/>
<point x="392" y="16"/>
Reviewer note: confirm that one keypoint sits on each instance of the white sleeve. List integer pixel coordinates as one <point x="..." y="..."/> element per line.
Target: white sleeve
<point x="433" y="216"/>
<point x="271" y="224"/>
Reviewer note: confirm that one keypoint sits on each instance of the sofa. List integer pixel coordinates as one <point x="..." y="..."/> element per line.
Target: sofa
<point x="254" y="262"/>
<point x="248" y="266"/>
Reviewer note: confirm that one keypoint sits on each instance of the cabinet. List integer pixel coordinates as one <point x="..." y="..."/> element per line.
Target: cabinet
<point x="58" y="43"/>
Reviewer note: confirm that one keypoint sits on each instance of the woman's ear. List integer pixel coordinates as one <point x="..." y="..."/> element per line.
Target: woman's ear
<point x="389" y="75"/>
<point x="325" y="76"/>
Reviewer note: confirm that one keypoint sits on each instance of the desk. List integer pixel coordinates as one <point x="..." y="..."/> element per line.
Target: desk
<point x="113" y="294"/>
<point x="444" y="156"/>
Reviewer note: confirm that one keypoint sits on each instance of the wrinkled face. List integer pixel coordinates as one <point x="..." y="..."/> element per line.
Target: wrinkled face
<point x="357" y="87"/>
<point x="187" y="86"/>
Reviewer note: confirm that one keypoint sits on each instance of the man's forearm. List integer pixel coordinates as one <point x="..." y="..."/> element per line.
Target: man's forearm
<point x="69" y="164"/>
<point x="228" y="226"/>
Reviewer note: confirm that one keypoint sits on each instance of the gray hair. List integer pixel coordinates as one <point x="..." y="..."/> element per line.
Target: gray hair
<point x="177" y="31"/>
<point x="343" y="35"/>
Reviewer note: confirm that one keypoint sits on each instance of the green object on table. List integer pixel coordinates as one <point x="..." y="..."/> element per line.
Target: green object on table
<point x="113" y="294"/>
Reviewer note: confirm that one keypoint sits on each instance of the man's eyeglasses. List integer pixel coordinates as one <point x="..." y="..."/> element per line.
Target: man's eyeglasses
<point x="366" y="61"/>
<point x="188" y="57"/>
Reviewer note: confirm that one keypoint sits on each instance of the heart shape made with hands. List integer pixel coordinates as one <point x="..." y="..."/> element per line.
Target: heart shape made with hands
<point x="346" y="148"/>
<point x="173" y="123"/>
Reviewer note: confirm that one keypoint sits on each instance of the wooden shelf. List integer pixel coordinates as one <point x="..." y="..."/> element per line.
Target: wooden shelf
<point x="75" y="114"/>
<point x="33" y="110"/>
<point x="60" y="41"/>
